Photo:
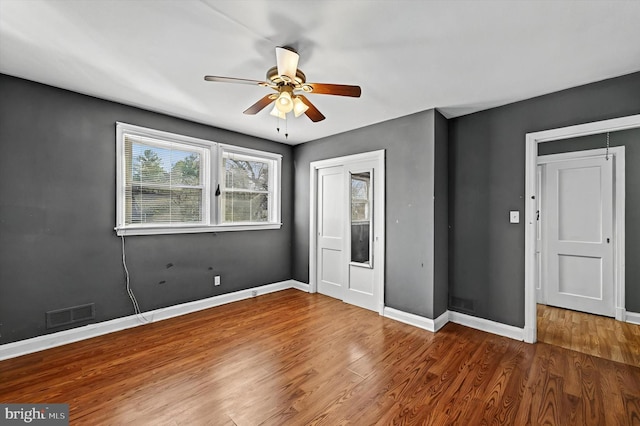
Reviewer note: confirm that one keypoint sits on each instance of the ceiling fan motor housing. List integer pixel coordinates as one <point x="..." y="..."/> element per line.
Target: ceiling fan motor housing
<point x="277" y="79"/>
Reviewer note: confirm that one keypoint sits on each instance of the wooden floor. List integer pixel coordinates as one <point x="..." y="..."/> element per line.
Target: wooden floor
<point x="590" y="334"/>
<point x="292" y="358"/>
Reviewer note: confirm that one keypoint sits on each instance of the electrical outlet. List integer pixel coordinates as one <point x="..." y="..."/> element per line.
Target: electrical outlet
<point x="216" y="280"/>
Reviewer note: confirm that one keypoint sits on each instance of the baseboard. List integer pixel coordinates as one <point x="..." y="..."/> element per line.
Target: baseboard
<point x="417" y="320"/>
<point x="632" y="317"/>
<point x="487" y="325"/>
<point x="35" y="344"/>
<point x="300" y="286"/>
<point x="441" y="321"/>
<point x="458" y="318"/>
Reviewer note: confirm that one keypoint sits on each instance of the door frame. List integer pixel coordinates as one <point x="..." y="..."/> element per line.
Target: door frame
<point x="531" y="158"/>
<point x="618" y="233"/>
<point x="379" y="231"/>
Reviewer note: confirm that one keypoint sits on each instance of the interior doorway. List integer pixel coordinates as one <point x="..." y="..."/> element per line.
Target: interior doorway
<point x="531" y="210"/>
<point x="346" y="253"/>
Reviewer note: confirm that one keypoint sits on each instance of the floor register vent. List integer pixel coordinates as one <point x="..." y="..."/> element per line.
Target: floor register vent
<point x="70" y="315"/>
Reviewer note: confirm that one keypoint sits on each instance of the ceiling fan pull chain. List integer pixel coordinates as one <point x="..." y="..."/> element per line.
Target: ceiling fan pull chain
<point x="607" y="154"/>
<point x="286" y="129"/>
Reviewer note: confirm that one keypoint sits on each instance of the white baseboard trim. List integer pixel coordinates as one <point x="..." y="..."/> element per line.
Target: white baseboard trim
<point x="487" y="325"/>
<point x="416" y="320"/>
<point x="632" y="317"/>
<point x="458" y="318"/>
<point x="35" y="344"/>
<point x="441" y="321"/>
<point x="300" y="286"/>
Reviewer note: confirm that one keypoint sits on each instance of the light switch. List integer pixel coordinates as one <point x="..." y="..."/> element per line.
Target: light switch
<point x="514" y="216"/>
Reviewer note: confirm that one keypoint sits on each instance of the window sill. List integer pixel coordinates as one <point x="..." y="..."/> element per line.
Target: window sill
<point x="153" y="230"/>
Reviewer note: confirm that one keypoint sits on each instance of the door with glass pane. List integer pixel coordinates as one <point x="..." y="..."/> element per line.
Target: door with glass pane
<point x="360" y="286"/>
<point x="350" y="228"/>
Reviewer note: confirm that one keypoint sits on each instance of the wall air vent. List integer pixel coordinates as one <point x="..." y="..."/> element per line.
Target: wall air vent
<point x="70" y="315"/>
<point x="464" y="305"/>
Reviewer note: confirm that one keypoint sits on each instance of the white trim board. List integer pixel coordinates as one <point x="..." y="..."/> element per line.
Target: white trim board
<point x="531" y="156"/>
<point x="632" y="317"/>
<point x="417" y="320"/>
<point x="458" y="318"/>
<point x="489" y="326"/>
<point x="48" y="341"/>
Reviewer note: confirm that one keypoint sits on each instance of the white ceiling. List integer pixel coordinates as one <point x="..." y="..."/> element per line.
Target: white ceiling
<point x="408" y="56"/>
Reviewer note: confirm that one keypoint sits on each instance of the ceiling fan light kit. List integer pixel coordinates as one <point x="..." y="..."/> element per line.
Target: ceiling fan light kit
<point x="299" y="107"/>
<point x="277" y="113"/>
<point x="285" y="78"/>
<point x="284" y="103"/>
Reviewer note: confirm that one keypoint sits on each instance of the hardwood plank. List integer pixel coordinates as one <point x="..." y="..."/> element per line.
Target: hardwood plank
<point x="305" y="359"/>
<point x="590" y="334"/>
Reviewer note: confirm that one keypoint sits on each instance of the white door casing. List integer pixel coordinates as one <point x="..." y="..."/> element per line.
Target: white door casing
<point x="531" y="190"/>
<point x="578" y="234"/>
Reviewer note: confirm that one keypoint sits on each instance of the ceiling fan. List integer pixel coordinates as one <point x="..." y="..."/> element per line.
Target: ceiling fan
<point x="290" y="83"/>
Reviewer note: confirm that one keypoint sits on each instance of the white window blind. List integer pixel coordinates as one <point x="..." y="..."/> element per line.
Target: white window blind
<point x="163" y="182"/>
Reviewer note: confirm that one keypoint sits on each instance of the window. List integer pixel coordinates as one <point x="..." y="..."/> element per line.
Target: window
<point x="170" y="183"/>
<point x="247" y="187"/>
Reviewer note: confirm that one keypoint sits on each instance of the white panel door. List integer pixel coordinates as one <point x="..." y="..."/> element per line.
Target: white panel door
<point x="362" y="227"/>
<point x="579" y="235"/>
<point x="331" y="226"/>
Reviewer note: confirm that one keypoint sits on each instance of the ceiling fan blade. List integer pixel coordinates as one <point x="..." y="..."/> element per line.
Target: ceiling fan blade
<point x="235" y="80"/>
<point x="287" y="61"/>
<point x="312" y="112"/>
<point x="334" y="89"/>
<point x="261" y="104"/>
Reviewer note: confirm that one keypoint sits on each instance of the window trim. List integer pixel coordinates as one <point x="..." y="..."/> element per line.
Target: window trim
<point x="211" y="169"/>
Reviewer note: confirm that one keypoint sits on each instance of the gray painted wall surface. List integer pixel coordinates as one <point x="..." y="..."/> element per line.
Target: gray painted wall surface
<point x="409" y="145"/>
<point x="441" y="220"/>
<point x="57" y="212"/>
<point x="486" y="180"/>
<point x="630" y="139"/>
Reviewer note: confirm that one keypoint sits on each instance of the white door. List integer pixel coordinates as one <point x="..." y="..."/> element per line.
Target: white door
<point x="578" y="229"/>
<point x="331" y="225"/>
<point x="349" y="229"/>
<point x="360" y="286"/>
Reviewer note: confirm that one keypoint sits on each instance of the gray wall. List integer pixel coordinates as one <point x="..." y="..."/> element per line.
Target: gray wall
<point x="409" y="144"/>
<point x="630" y="139"/>
<point x="441" y="218"/>
<point x="57" y="212"/>
<point x="486" y="180"/>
